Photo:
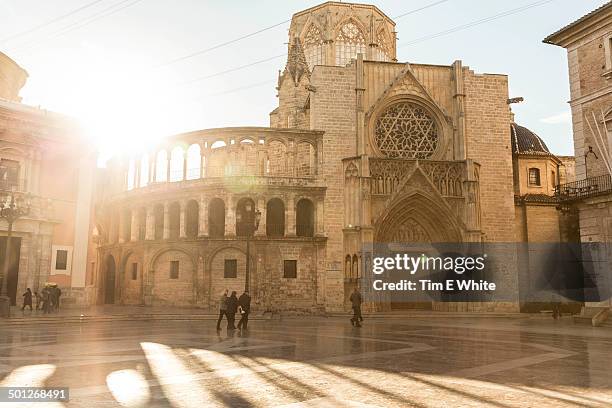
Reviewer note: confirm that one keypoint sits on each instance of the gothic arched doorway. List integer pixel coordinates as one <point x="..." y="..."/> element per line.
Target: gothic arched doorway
<point x="417" y="221"/>
<point x="109" y="281"/>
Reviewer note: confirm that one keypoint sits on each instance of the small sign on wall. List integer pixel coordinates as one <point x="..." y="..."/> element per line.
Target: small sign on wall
<point x="61" y="260"/>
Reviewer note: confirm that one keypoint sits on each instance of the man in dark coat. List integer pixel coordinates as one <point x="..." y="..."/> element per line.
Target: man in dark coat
<point x="27" y="299"/>
<point x="244" y="301"/>
<point x="222" y="309"/>
<point x="232" y="308"/>
<point x="356" y="302"/>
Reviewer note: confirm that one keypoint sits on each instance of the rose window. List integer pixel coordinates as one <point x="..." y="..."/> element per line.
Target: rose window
<point x="406" y="130"/>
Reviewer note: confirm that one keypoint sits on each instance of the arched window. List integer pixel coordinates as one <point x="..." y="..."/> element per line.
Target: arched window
<point x="131" y="175"/>
<point x="144" y="170"/>
<point x="176" y="164"/>
<point x="313" y="47"/>
<point x="194" y="161"/>
<point x="216" y="218"/>
<point x="245" y="217"/>
<point x="192" y="219"/>
<point x="406" y="130"/>
<point x="304" y="218"/>
<point x="158" y="212"/>
<point x="534" y="176"/>
<point x="174" y="215"/>
<point x="355" y="267"/>
<point x="350" y="41"/>
<point x="142" y="224"/>
<point x="275" y="218"/>
<point x="161" y="166"/>
<point x="382" y="52"/>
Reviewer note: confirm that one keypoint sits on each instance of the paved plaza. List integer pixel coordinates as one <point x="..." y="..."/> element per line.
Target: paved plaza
<point x="315" y="362"/>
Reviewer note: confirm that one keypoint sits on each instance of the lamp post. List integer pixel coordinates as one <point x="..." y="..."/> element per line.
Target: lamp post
<point x="12" y="207"/>
<point x="250" y="222"/>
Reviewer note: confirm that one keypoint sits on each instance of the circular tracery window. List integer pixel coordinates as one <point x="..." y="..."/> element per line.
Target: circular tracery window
<point x="406" y="130"/>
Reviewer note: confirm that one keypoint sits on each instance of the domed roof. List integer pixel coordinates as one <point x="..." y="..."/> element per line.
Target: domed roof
<point x="524" y="141"/>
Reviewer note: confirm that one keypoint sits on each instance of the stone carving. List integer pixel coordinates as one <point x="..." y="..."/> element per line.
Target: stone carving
<point x="446" y="176"/>
<point x="406" y="130"/>
<point x="409" y="231"/>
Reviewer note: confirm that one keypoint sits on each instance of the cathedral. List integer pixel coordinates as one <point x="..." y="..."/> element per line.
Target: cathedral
<point x="361" y="149"/>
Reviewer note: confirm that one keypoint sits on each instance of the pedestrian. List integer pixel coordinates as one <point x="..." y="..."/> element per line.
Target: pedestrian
<point x="244" y="301"/>
<point x="53" y="298"/>
<point x="232" y="308"/>
<point x="222" y="309"/>
<point x="58" y="293"/>
<point x="37" y="298"/>
<point x="46" y="296"/>
<point x="356" y="303"/>
<point x="27" y="299"/>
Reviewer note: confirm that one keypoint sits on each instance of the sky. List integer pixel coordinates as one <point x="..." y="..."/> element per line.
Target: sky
<point x="119" y="66"/>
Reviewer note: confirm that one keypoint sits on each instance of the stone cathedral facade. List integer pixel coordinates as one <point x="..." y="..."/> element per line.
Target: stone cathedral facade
<point x="362" y="148"/>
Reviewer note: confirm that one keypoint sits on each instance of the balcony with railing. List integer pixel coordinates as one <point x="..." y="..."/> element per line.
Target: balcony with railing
<point x="589" y="187"/>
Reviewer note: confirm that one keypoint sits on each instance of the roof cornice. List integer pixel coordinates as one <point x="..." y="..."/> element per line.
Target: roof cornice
<point x="581" y="27"/>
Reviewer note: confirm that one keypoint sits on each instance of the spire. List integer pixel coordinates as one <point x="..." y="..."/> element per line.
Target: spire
<point x="296" y="61"/>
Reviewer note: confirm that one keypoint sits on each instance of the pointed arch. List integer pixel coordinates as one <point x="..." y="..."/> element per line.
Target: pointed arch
<point x="416" y="217"/>
<point x="314" y="48"/>
<point x="350" y="40"/>
<point x="383" y="51"/>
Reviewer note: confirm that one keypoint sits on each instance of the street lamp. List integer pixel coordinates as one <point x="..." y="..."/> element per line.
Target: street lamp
<point x="12" y="207"/>
<point x="250" y="222"/>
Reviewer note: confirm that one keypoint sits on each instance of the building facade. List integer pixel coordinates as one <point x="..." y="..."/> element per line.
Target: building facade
<point x="588" y="42"/>
<point x="44" y="157"/>
<point x="361" y="149"/>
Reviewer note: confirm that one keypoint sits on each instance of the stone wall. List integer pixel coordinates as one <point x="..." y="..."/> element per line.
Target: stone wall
<point x="333" y="110"/>
<point x="487" y="119"/>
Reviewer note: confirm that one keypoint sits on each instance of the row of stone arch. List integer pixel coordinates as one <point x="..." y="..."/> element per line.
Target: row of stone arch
<point x="177" y="219"/>
<point x="351" y="268"/>
<point x="221" y="158"/>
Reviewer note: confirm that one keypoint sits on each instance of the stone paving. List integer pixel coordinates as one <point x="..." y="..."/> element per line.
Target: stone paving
<point x="315" y="362"/>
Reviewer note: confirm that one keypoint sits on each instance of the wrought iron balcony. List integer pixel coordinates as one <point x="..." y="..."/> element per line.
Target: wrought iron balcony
<point x="590" y="187"/>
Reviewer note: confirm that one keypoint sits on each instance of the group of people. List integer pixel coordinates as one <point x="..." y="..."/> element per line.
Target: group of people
<point x="230" y="305"/>
<point x="48" y="300"/>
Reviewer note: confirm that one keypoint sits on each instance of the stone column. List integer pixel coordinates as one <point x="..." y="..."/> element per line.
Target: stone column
<point x="203" y="217"/>
<point x="230" y="217"/>
<point x="261" y="206"/>
<point x="122" y="222"/>
<point x="182" y="229"/>
<point x="168" y="157"/>
<point x="150" y="224"/>
<point x="290" y="216"/>
<point x="134" y="227"/>
<point x="166" y="220"/>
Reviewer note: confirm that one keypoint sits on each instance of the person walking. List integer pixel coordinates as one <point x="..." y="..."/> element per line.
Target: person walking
<point x="58" y="293"/>
<point x="244" y="301"/>
<point x="232" y="308"/>
<point x="222" y="309"/>
<point x="356" y="303"/>
<point x="37" y="298"/>
<point x="46" y="295"/>
<point x="27" y="299"/>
